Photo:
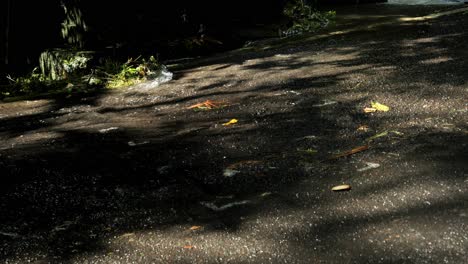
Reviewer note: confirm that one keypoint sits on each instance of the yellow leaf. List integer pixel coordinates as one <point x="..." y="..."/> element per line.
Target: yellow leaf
<point x="369" y="110"/>
<point x="380" y="107"/>
<point x="344" y="187"/>
<point x="232" y="121"/>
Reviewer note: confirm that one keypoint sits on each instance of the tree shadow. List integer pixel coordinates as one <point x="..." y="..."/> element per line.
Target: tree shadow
<point x="66" y="193"/>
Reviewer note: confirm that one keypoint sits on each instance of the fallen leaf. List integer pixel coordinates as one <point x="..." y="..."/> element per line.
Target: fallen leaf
<point x="195" y="227"/>
<point x="308" y="151"/>
<point x="208" y="104"/>
<point x="382" y="134"/>
<point x="339" y="188"/>
<point x="370" y="165"/>
<point x="127" y="234"/>
<point x="397" y="133"/>
<point x="350" y="152"/>
<point x="364" y="128"/>
<point x="369" y="110"/>
<point x="232" y="121"/>
<point x="380" y="107"/>
<point x="189" y="247"/>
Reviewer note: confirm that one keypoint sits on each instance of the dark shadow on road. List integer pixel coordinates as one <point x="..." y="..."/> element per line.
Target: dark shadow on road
<point x="64" y="194"/>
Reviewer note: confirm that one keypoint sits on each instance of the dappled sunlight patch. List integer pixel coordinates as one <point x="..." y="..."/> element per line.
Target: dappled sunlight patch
<point x="32" y="138"/>
<point x="187" y="245"/>
<point x="24" y="108"/>
<point x="436" y="60"/>
<point x="404" y="237"/>
<point x="380" y="200"/>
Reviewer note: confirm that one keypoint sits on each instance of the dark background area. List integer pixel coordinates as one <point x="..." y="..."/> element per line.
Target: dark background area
<point x="123" y="29"/>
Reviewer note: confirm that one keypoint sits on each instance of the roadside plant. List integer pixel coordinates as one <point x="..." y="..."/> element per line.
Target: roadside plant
<point x="131" y="72"/>
<point x="304" y="18"/>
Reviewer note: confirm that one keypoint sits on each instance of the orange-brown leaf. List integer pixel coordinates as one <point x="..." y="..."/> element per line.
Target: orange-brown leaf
<point x="208" y="104"/>
<point x="189" y="247"/>
<point x="195" y="227"/>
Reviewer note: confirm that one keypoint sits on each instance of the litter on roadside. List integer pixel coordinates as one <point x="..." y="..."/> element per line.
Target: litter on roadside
<point x="369" y="166"/>
<point x="340" y="188"/>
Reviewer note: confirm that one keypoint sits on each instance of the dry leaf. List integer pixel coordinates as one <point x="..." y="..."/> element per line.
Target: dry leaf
<point x="344" y="187"/>
<point x="232" y="121"/>
<point x="208" y="104"/>
<point x="189" y="247"/>
<point x="369" y="110"/>
<point x="351" y="152"/>
<point x="380" y="107"/>
<point x="195" y="227"/>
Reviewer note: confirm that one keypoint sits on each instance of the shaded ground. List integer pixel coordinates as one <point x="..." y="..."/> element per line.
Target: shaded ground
<point x="122" y="177"/>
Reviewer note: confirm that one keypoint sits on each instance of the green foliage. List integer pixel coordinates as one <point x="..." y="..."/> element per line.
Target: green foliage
<point x="131" y="72"/>
<point x="60" y="64"/>
<point x="305" y="19"/>
<point x="73" y="75"/>
<point x="73" y="26"/>
<point x="32" y="83"/>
